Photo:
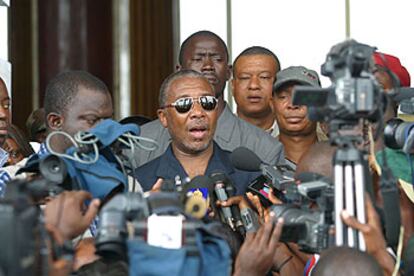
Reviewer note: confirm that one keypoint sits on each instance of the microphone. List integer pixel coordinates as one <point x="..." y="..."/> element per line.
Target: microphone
<point x="219" y="181"/>
<point x="244" y="159"/>
<point x="195" y="196"/>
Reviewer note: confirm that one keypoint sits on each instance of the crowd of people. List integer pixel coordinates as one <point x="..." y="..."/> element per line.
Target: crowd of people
<point x="196" y="131"/>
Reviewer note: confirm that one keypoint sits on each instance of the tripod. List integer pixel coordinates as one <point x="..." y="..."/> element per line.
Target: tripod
<point x="349" y="194"/>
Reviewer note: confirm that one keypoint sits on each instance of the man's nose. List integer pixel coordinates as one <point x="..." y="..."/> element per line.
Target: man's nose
<point x="254" y="82"/>
<point x="197" y="110"/>
<point x="208" y="64"/>
<point x="4" y="113"/>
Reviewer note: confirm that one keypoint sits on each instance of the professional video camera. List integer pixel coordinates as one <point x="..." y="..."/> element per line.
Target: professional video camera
<point x="399" y="135"/>
<point x="355" y="92"/>
<point x="303" y="225"/>
<point x="153" y="234"/>
<point x="174" y="202"/>
<point x="23" y="235"/>
<point x="306" y="226"/>
<point x="355" y="95"/>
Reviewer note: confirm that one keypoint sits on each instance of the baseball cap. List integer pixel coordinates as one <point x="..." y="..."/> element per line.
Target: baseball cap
<point x="394" y="65"/>
<point x="299" y="74"/>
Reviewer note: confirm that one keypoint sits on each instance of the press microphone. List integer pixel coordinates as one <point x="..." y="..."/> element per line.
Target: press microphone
<point x="195" y="195"/>
<point x="219" y="180"/>
<point x="246" y="160"/>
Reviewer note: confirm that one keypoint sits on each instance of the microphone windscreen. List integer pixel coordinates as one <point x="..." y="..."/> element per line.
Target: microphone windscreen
<point x="198" y="182"/>
<point x="245" y="159"/>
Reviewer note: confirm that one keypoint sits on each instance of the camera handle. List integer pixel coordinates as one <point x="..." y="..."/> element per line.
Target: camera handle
<point x="349" y="194"/>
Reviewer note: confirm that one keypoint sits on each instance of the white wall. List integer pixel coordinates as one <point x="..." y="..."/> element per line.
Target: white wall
<point x="301" y="32"/>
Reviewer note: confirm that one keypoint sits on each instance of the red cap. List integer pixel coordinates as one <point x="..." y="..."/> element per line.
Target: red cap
<point x="394" y="65"/>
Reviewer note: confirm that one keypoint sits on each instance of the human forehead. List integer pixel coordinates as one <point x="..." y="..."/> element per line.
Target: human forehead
<point x="259" y="63"/>
<point x="3" y="90"/>
<point x="189" y="87"/>
<point x="205" y="44"/>
<point x="91" y="100"/>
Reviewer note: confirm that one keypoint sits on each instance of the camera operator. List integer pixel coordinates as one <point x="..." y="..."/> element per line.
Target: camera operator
<point x="66" y="217"/>
<point x="188" y="109"/>
<point x="297" y="132"/>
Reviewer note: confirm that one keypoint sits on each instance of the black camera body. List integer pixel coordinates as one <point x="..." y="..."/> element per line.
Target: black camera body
<point x="355" y="92"/>
<point x="23" y="235"/>
<point x="303" y="224"/>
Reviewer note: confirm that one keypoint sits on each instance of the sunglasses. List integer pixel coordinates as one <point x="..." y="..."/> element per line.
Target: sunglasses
<point x="183" y="105"/>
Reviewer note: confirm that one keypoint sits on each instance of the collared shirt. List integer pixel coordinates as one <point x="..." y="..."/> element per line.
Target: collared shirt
<point x="273" y="130"/>
<point x="9" y="172"/>
<point x="167" y="166"/>
<point x="231" y="133"/>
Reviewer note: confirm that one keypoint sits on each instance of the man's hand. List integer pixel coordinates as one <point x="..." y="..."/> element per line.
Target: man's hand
<point x="67" y="212"/>
<point x="258" y="250"/>
<point x="234" y="200"/>
<point x="374" y="239"/>
<point x="157" y="185"/>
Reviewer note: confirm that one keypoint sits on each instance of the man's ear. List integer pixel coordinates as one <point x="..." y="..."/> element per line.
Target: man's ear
<point x="229" y="71"/>
<point x="54" y="121"/>
<point x="232" y="86"/>
<point x="162" y="117"/>
<point x="178" y="67"/>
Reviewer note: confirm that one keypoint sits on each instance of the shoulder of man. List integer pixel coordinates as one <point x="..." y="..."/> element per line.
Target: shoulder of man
<point x="145" y="174"/>
<point x="269" y="149"/>
<point x="153" y="130"/>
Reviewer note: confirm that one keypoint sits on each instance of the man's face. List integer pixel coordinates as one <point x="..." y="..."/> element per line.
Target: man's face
<point x="252" y="84"/>
<point x="191" y="132"/>
<point x="205" y="54"/>
<point x="15" y="153"/>
<point x="292" y="120"/>
<point x="88" y="108"/>
<point x="4" y="112"/>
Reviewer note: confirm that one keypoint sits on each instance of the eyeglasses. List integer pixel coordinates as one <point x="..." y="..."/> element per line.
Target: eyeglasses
<point x="183" y="105"/>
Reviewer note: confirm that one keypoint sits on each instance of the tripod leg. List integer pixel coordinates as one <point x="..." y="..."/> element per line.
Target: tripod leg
<point x="339" y="204"/>
<point x="349" y="202"/>
<point x="360" y="201"/>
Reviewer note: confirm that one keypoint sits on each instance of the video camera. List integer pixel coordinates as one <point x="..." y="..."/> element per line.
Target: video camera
<point x="177" y="204"/>
<point x="21" y="221"/>
<point x="304" y="223"/>
<point x="355" y="92"/>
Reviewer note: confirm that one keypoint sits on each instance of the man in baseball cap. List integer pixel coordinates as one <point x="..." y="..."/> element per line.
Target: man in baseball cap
<point x="297" y="132"/>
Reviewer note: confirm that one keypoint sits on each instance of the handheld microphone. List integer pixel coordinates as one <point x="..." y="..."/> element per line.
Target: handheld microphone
<point x="244" y="159"/>
<point x="195" y="195"/>
<point x="219" y="180"/>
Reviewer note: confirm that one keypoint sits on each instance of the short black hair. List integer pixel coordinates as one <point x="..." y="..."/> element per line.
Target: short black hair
<point x="334" y="260"/>
<point x="17" y="135"/>
<point x="257" y="50"/>
<point x="186" y="73"/>
<point x="196" y="34"/>
<point x="63" y="88"/>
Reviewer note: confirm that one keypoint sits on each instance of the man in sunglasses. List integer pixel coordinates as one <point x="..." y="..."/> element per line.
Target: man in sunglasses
<point x="189" y="111"/>
<point x="205" y="52"/>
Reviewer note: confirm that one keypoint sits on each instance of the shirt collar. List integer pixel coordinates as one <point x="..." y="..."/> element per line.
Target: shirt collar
<point x="170" y="166"/>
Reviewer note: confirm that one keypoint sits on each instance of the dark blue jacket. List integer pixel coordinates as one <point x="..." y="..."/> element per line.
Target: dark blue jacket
<point x="168" y="167"/>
